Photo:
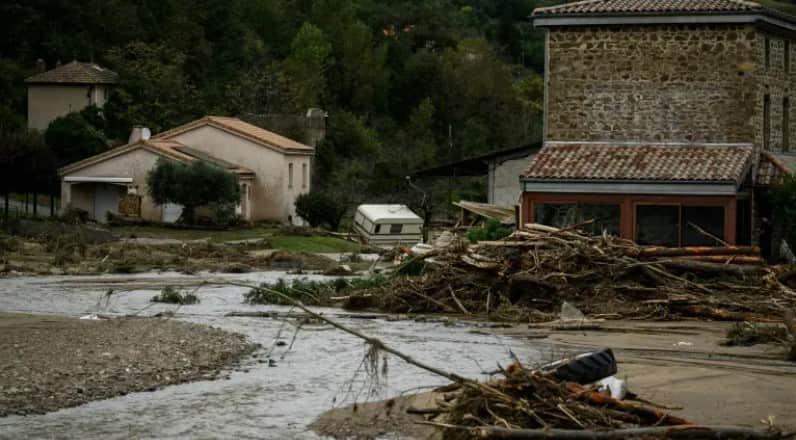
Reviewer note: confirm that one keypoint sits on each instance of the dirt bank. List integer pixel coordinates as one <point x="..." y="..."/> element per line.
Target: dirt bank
<point x="678" y="364"/>
<point x="48" y="363"/>
<point x="72" y="256"/>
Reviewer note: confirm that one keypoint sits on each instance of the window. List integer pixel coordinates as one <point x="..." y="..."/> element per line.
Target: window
<point x="674" y="225"/>
<point x="785" y="124"/>
<point x="658" y="225"/>
<point x="767" y="51"/>
<point x="605" y="217"/>
<point x="378" y="229"/>
<point x="396" y="229"/>
<point x="710" y="219"/>
<point x="787" y="57"/>
<point x="766" y="121"/>
<point x="290" y="175"/>
<point x="304" y="175"/>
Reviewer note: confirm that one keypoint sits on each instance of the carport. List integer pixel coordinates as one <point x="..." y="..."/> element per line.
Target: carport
<point x="95" y="195"/>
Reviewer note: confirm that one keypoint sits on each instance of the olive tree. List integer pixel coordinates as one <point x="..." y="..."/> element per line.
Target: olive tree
<point x="192" y="185"/>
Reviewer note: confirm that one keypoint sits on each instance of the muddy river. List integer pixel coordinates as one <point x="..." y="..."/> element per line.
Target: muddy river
<point x="255" y="400"/>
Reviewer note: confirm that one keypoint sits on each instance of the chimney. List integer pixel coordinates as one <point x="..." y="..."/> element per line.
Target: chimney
<point x="41" y="66"/>
<point x="139" y="133"/>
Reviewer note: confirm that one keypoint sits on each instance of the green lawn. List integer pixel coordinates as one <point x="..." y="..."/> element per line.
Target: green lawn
<point x="273" y="234"/>
<point x="313" y="244"/>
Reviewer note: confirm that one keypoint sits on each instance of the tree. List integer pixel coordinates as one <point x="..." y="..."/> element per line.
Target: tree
<point x="77" y="135"/>
<point x="193" y="185"/>
<point x="320" y="208"/>
<point x="307" y="64"/>
<point x="783" y="200"/>
<point x="153" y="89"/>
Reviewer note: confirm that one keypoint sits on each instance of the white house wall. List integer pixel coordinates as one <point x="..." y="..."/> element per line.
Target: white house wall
<point x="135" y="164"/>
<point x="271" y="197"/>
<point x="504" y="185"/>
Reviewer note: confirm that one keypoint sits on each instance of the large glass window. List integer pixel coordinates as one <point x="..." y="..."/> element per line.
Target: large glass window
<point x="396" y="229"/>
<point x="561" y="215"/>
<point x="674" y="225"/>
<point x="709" y="219"/>
<point x="658" y="225"/>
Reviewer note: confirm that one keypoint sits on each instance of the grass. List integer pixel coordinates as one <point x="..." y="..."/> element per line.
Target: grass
<point x="278" y="240"/>
<point x="313" y="244"/>
<point x="316" y="293"/>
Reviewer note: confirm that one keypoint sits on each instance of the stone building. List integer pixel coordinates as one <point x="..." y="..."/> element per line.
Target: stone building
<point x="662" y="117"/>
<point x="67" y="88"/>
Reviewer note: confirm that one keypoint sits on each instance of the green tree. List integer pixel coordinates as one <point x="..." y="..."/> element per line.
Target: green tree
<point x="153" y="89"/>
<point x="77" y="135"/>
<point x="193" y="185"/>
<point x="307" y="65"/>
<point x="319" y="208"/>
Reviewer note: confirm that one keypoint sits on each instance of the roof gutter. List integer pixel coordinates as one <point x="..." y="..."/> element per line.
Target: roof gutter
<point x="641" y="19"/>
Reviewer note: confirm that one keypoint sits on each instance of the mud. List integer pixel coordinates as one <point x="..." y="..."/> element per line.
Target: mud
<point x="681" y="365"/>
<point x="74" y="256"/>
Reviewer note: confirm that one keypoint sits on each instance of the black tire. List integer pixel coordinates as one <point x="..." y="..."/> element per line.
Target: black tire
<point x="588" y="367"/>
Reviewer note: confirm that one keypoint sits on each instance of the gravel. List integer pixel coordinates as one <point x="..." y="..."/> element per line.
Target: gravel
<point x="48" y="363"/>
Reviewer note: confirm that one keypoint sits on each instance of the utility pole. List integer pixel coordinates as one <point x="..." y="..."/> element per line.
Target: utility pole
<point x="452" y="173"/>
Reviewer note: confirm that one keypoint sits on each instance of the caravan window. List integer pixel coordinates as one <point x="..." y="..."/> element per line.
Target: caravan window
<point x="396" y="229"/>
<point x="378" y="229"/>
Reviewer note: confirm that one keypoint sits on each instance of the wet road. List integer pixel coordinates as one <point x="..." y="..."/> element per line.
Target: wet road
<point x="255" y="400"/>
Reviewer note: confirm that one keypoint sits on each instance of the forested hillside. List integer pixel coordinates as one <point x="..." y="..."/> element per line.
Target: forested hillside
<point x="393" y="75"/>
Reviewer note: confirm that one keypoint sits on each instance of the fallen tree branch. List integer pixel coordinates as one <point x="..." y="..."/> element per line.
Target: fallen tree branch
<point x="670" y="432"/>
<point x="375" y="342"/>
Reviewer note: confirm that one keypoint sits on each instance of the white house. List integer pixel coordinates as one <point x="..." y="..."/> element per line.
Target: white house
<point x="272" y="170"/>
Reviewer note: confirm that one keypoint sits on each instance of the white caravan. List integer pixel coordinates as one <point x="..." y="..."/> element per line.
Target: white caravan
<point x="388" y="224"/>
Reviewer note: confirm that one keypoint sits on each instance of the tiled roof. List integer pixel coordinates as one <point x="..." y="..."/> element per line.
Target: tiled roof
<point x="773" y="166"/>
<point x="640" y="162"/>
<point x="633" y="7"/>
<point x="241" y="128"/>
<point x="75" y="73"/>
<point x="164" y="147"/>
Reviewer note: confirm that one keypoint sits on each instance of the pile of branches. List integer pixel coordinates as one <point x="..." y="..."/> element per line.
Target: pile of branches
<point x="533" y="404"/>
<point x="539" y="267"/>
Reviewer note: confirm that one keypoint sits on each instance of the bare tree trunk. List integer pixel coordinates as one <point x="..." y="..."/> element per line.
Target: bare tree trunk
<point x="671" y="432"/>
<point x="35" y="204"/>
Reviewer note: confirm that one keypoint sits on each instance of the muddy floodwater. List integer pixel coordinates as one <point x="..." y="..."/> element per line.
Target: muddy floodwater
<point x="255" y="400"/>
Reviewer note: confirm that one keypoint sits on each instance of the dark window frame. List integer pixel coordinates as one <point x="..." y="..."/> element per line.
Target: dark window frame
<point x="767" y="51"/>
<point x="786" y="123"/>
<point x="578" y="205"/>
<point x="766" y="121"/>
<point x="786" y="57"/>
<point x="399" y="226"/>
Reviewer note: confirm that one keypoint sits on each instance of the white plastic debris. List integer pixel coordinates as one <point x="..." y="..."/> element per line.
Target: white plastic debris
<point x="91" y="316"/>
<point x="422" y="249"/>
<point x="616" y="387"/>
<point x="570" y="313"/>
<point x="683" y="344"/>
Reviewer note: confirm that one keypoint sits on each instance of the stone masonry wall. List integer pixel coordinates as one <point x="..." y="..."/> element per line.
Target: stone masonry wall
<point x="778" y="82"/>
<point x="651" y="83"/>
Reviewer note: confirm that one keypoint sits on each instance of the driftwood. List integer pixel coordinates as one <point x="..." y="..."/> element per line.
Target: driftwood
<point x="669" y="432"/>
<point x="790" y="323"/>
<point x="701" y="266"/>
<point x="694" y="251"/>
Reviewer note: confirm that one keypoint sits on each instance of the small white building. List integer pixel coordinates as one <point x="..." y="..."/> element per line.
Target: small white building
<point x="388" y="224"/>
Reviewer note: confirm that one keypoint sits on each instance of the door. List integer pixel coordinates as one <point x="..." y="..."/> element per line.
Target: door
<point x="106" y="199"/>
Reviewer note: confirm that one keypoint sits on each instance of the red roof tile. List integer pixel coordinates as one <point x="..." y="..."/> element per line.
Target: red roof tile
<point x="591" y="7"/>
<point x="75" y="73"/>
<point x="641" y="162"/>
<point x="774" y="166"/>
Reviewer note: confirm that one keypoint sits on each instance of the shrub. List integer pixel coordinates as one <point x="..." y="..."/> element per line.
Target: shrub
<point x="491" y="230"/>
<point x="750" y="333"/>
<point x="316" y="293"/>
<point x="320" y="208"/>
<point x="171" y="295"/>
<point x="196" y="184"/>
<point x="75" y="216"/>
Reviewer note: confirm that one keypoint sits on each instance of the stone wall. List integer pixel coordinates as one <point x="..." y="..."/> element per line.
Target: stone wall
<point x="652" y="83"/>
<point x="774" y="80"/>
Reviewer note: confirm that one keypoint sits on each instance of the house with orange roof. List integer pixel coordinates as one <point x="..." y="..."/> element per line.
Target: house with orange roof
<point x="664" y="120"/>
<point x="272" y="171"/>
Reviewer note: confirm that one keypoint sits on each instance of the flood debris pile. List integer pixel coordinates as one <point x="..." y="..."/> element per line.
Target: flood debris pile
<point x="529" y="274"/>
<point x="532" y="399"/>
